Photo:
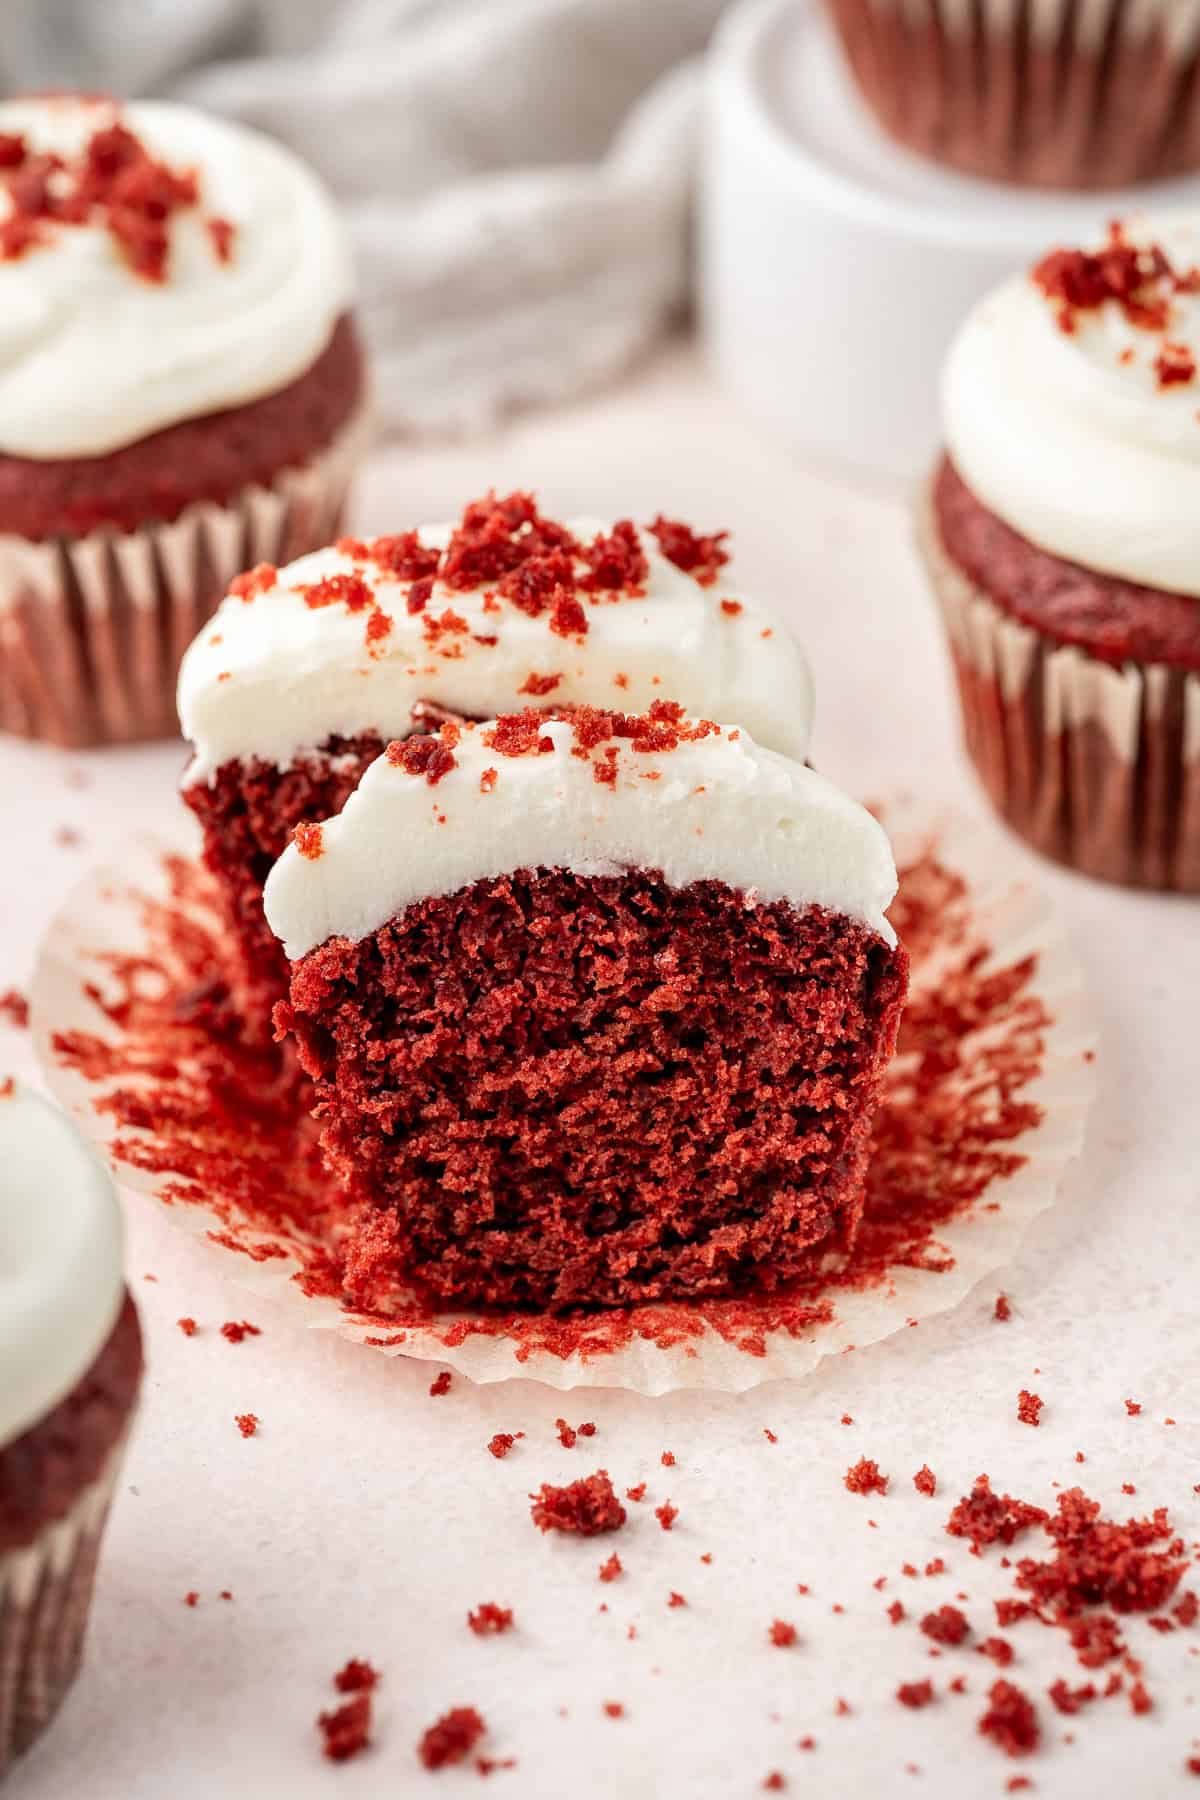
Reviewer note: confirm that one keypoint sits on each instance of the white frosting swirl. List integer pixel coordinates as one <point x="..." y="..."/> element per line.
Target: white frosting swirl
<point x="719" y="808"/>
<point x="1070" y="437"/>
<point x="273" y="676"/>
<point x="93" y="357"/>
<point x="61" y="1255"/>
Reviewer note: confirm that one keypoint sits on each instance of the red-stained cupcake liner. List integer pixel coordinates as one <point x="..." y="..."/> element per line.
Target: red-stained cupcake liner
<point x="92" y="629"/>
<point x="1078" y="94"/>
<point x="1095" y="766"/>
<point x="45" y="1601"/>
<point x="968" y="1149"/>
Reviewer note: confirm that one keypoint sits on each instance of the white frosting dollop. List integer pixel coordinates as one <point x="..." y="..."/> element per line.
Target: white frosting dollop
<point x="718" y="808"/>
<point x="1071" y="438"/>
<point x="272" y="676"/>
<point x="93" y="357"/>
<point x="61" y="1258"/>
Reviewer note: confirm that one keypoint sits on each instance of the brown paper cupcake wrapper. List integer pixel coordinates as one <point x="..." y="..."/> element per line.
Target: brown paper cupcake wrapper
<point x="92" y="629"/>
<point x="45" y="1600"/>
<point x="1053" y="93"/>
<point x="1095" y="766"/>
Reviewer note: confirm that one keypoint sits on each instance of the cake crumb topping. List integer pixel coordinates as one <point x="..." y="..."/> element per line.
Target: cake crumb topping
<point x="586" y="1507"/>
<point x="1139" y="278"/>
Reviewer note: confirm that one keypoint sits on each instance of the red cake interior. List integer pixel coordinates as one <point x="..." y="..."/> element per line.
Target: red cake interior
<point x="553" y="1089"/>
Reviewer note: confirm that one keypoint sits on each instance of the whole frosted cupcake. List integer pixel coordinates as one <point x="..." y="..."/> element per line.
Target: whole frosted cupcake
<point x="181" y="394"/>
<point x="70" y="1369"/>
<point x="1063" y="538"/>
<point x="1054" y="93"/>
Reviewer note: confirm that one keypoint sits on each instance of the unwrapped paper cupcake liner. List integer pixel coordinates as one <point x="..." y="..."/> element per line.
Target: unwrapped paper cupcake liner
<point x="1079" y="94"/>
<point x="93" y="628"/>
<point x="45" y="1601"/>
<point x="1000" y="928"/>
<point x="1095" y="766"/>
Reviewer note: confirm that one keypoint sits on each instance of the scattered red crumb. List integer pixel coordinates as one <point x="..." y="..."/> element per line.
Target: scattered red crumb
<point x="806" y="1743"/>
<point x="843" y="1709"/>
<point x="925" y="1481"/>
<point x="488" y="780"/>
<point x="1188" y="1609"/>
<point x="1011" y="1719"/>
<point x="1127" y="1487"/>
<point x="936" y="1567"/>
<point x="309" y="841"/>
<point x="225" y="1594"/>
<point x="234" y="1330"/>
<point x="945" y="1626"/>
<point x="1069" y="1700"/>
<point x="999" y="1649"/>
<point x="1139" y="1699"/>
<point x="707" y="1557"/>
<point x="191" y="1599"/>
<point x="222" y="232"/>
<point x="675" y="1599"/>
<point x="1140" y="279"/>
<point x="666" y="1514"/>
<point x="566" y="1434"/>
<point x="1003" y="1308"/>
<point x="452" y="1738"/>
<point x="915" y="1693"/>
<point x="350" y="591"/>
<point x="357" y="1677"/>
<point x="502" y="1443"/>
<point x="347" y="1729"/>
<point x="258" y="580"/>
<point x="247" y="1423"/>
<point x="489" y="1620"/>
<point x="614" y="1709"/>
<point x="1174" y="365"/>
<point x="1133" y="1408"/>
<point x="1096" y="1640"/>
<point x="1080" y="1457"/>
<point x="959" y="1685"/>
<point x="487" y="1765"/>
<point x="895" y="1612"/>
<point x="731" y="607"/>
<point x="587" y="1507"/>
<point x="440" y="1384"/>
<point x="988" y="1518"/>
<point x="188" y="1327"/>
<point x="1017" y="1784"/>
<point x="846" y="1419"/>
<point x="612" y="1568"/>
<point x="774" y="1782"/>
<point x="1029" y="1407"/>
<point x="865" y="1478"/>
<point x="667" y="1459"/>
<point x="696" y="555"/>
<point x="539" y="684"/>
<point x="782" y="1633"/>
<point x="15" y="1008"/>
<point x="636" y="1493"/>
<point x="769" y="1435"/>
<point x="432" y="757"/>
<point x="1099" y="1562"/>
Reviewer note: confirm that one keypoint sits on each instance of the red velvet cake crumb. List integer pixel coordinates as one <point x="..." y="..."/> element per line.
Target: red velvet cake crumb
<point x="1141" y="280"/>
<point x="925" y="1481"/>
<point x="502" y="1443"/>
<point x="774" y="1783"/>
<point x="864" y="1477"/>
<point x="258" y="580"/>
<point x="356" y="1677"/>
<point x="988" y="1518"/>
<point x="1003" y="1308"/>
<point x="309" y="841"/>
<point x="945" y="1626"/>
<point x="998" y="1649"/>
<point x="614" y="1709"/>
<point x="674" y="1599"/>
<point x="915" y="1693"/>
<point x="489" y="1620"/>
<point x="1029" y="1407"/>
<point x="1133" y="1408"/>
<point x="428" y="756"/>
<point x="247" y="1423"/>
<point x="452" y="1738"/>
<point x="666" y="1514"/>
<point x="235" y="1331"/>
<point x="347" y="1729"/>
<point x="1010" y="1720"/>
<point x="15" y="1008"/>
<point x="188" y="1327"/>
<point x="566" y="1434"/>
<point x="440" y="1384"/>
<point x="1099" y="1562"/>
<point x="895" y="1612"/>
<point x="667" y="1459"/>
<point x="610" y="1570"/>
<point x="782" y="1633"/>
<point x="636" y="1493"/>
<point x="1070" y="1700"/>
<point x="588" y="1506"/>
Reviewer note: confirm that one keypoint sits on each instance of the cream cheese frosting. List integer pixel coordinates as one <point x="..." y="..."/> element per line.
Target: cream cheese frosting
<point x="94" y="357"/>
<point x="272" y="676"/>
<point x="1076" y="438"/>
<point x="61" y="1258"/>
<point x="718" y="807"/>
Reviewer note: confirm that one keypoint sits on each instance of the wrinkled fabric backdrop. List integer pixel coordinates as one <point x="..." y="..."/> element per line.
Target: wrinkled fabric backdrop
<point x="515" y="173"/>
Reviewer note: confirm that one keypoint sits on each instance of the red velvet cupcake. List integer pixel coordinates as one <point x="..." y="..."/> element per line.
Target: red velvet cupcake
<point x="1062" y="535"/>
<point x="181" y="394"/>
<point x="595" y="1009"/>
<point x="1051" y="93"/>
<point x="70" y="1370"/>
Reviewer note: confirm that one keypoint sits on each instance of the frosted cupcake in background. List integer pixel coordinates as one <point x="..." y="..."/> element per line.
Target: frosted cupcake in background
<point x="1062" y="535"/>
<point x="181" y="396"/>
<point x="1052" y="93"/>
<point x="70" y="1370"/>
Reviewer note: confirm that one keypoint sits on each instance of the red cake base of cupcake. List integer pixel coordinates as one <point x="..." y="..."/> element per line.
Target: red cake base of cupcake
<point x="211" y="458"/>
<point x="1080" y="697"/>
<point x="55" y="1482"/>
<point x="553" y="1089"/>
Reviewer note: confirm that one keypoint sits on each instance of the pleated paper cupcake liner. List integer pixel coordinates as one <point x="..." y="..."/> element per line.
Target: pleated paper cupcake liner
<point x="968" y="1148"/>
<point x="1095" y="766"/>
<point x="1077" y="94"/>
<point x="92" y="629"/>
<point x="45" y="1601"/>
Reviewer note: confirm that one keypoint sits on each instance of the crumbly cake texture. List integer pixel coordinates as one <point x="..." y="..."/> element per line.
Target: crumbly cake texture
<point x="212" y="458"/>
<point x="555" y="1089"/>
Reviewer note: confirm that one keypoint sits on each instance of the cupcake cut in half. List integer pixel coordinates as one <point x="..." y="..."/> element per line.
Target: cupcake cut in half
<point x="181" y="394"/>
<point x="595" y="1008"/>
<point x="307" y="672"/>
<point x="1062" y="535"/>
<point x="70" y="1370"/>
<point x="1076" y="94"/>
